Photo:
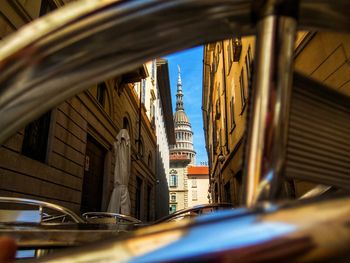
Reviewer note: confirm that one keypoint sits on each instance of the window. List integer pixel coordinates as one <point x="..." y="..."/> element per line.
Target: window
<point x="46" y="7"/>
<point x="250" y="58"/>
<point x="248" y="64"/>
<point x="152" y="113"/>
<point x="101" y="93"/>
<point x="172" y="208"/>
<point x="194" y="182"/>
<point x="229" y="54"/>
<point x="194" y="195"/>
<point x="126" y="124"/>
<point x="150" y="162"/>
<point x="36" y="138"/>
<point x="143" y="87"/>
<point x="243" y="95"/>
<point x="227" y="192"/>
<point x="236" y="49"/>
<point x="141" y="147"/>
<point x="232" y="113"/>
<point x="153" y="70"/>
<point x="173" y="180"/>
<point x="138" y="197"/>
<point x="215" y="138"/>
<point x="148" y="202"/>
<point x="173" y="197"/>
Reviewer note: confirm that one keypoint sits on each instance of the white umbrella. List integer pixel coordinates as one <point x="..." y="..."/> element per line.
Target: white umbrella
<point x="120" y="199"/>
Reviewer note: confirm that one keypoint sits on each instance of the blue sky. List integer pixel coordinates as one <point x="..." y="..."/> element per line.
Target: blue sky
<point x="190" y="62"/>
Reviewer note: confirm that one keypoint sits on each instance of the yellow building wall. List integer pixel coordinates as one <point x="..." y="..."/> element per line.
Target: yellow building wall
<point x="198" y="192"/>
<point x="227" y="109"/>
<point x="324" y="57"/>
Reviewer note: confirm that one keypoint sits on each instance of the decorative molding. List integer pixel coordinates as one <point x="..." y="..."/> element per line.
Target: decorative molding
<point x="21" y="11"/>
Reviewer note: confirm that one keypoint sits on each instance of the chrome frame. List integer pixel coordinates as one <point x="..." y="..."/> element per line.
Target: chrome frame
<point x="193" y="209"/>
<point x="60" y="55"/>
<point x="117" y="216"/>
<point x="270" y="103"/>
<point x="41" y="205"/>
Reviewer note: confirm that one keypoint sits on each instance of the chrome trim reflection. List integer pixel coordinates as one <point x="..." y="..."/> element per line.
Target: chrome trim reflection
<point x="268" y="126"/>
<point x="91" y="215"/>
<point x="301" y="232"/>
<point x="41" y="205"/>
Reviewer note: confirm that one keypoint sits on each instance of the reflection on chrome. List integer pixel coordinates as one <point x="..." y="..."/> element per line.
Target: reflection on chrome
<point x="65" y="52"/>
<point x="310" y="231"/>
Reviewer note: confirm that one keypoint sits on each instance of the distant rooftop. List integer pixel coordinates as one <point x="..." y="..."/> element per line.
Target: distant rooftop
<point x="198" y="170"/>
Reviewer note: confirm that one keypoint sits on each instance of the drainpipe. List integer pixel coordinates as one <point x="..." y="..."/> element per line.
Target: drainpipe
<point x="225" y="96"/>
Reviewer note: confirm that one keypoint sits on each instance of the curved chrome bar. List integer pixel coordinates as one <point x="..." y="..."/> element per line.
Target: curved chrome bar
<point x="42" y="204"/>
<point x="304" y="232"/>
<point x="64" y="52"/>
<point x="193" y="209"/>
<point x="127" y="218"/>
<point x="270" y="102"/>
<point x="316" y="191"/>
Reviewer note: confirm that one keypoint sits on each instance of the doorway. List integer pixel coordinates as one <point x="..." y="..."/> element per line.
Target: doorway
<point x="91" y="198"/>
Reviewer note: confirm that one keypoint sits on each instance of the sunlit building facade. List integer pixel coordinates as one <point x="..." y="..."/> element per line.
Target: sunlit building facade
<point x="198" y="185"/>
<point x="227" y="75"/>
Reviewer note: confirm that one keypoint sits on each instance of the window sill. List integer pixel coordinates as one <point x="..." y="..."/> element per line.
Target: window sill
<point x="243" y="107"/>
<point x="232" y="129"/>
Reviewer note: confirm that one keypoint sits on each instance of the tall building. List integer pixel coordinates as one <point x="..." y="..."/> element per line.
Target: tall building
<point x="182" y="154"/>
<point x="155" y="95"/>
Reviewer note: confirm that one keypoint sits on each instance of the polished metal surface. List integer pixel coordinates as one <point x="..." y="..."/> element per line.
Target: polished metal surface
<point x="54" y="235"/>
<point x="92" y="215"/>
<point x="64" y="52"/>
<point x="195" y="210"/>
<point x="268" y="126"/>
<point x="316" y="191"/>
<point x="40" y="205"/>
<point x="304" y="232"/>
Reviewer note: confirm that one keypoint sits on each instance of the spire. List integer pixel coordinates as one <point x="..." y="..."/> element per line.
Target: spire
<point x="179" y="82"/>
<point x="179" y="94"/>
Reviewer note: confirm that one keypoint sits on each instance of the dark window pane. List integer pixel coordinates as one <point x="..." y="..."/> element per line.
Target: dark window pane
<point x="46" y="7"/>
<point x="35" y="138"/>
<point x="101" y="93"/>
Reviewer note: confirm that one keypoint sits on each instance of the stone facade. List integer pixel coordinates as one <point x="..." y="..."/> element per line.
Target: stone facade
<point x="53" y="158"/>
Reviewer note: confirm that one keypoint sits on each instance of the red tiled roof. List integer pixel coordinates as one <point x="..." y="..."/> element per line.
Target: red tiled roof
<point x="198" y="170"/>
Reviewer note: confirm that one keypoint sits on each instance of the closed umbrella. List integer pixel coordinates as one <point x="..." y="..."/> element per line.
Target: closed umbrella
<point x="120" y="200"/>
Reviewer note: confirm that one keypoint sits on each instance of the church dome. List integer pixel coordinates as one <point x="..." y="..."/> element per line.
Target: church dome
<point x="181" y="117"/>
